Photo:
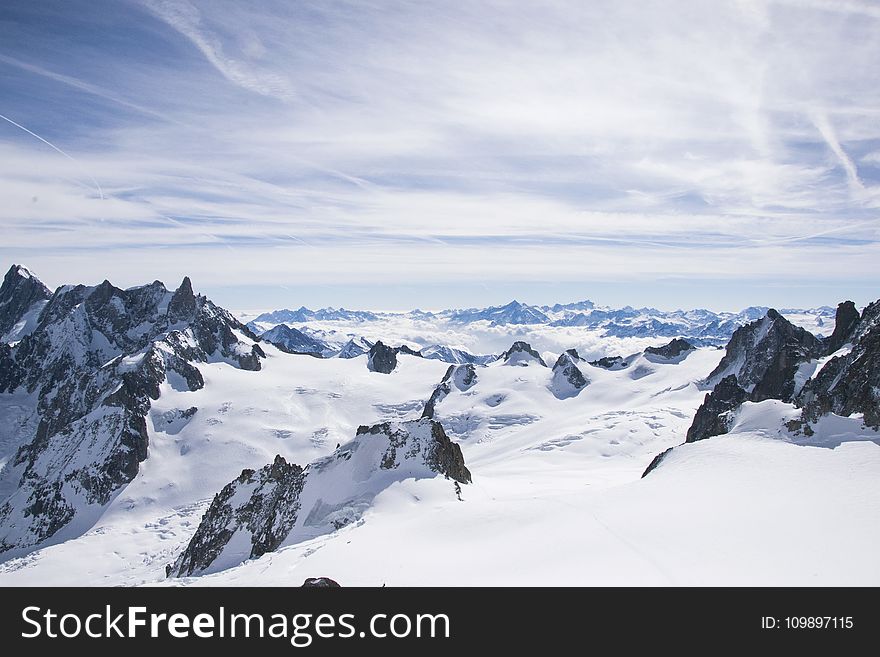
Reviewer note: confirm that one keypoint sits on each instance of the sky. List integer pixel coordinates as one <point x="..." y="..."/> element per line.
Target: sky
<point x="384" y="154"/>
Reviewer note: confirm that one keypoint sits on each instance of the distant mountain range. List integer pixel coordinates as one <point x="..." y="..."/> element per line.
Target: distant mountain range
<point x="699" y="326"/>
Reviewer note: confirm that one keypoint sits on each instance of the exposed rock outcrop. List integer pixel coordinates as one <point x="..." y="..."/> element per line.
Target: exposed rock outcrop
<point x="262" y="505"/>
<point x="675" y="350"/>
<point x="850" y="383"/>
<point x="284" y="504"/>
<point x="846" y="322"/>
<point x="567" y="380"/>
<point x="409" y="351"/>
<point x="657" y="460"/>
<point x="610" y="363"/>
<point x="320" y="583"/>
<point x="416" y="442"/>
<point x="764" y="357"/>
<point x="521" y="353"/>
<point x="713" y="416"/>
<point x="22" y="298"/>
<point x="382" y="358"/>
<point x="460" y="377"/>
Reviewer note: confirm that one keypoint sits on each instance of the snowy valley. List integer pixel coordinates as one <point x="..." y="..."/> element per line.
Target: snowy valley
<point x="150" y="437"/>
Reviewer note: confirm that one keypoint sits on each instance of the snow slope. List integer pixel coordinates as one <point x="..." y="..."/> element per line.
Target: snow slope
<point x="557" y="495"/>
<point x="555" y="455"/>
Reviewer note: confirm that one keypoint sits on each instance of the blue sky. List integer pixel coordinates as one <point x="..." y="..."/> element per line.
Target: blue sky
<point x="400" y="154"/>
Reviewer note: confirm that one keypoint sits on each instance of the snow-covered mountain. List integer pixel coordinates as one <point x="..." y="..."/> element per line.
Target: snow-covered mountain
<point x="513" y="313"/>
<point x="294" y="341"/>
<point x="147" y="433"/>
<point x="84" y="379"/>
<point x="304" y="315"/>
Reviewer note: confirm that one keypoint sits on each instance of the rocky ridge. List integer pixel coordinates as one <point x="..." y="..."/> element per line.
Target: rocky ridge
<point x="283" y="503"/>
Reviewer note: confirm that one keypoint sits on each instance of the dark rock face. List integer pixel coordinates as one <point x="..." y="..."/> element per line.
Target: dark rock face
<point x="461" y="377"/>
<point x="845" y="324"/>
<point x="521" y="353"/>
<point x="610" y="362"/>
<point x="21" y="294"/>
<point x="267" y="510"/>
<point x="764" y="357"/>
<point x="567" y="380"/>
<point x="320" y="583"/>
<point x="712" y="418"/>
<point x="382" y="358"/>
<point x="95" y="362"/>
<point x="672" y="350"/>
<point x="409" y="351"/>
<point x="261" y="510"/>
<point x="849" y="384"/>
<point x="656" y="461"/>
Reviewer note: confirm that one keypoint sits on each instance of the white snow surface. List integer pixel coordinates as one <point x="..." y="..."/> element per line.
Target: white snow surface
<point x="556" y="498"/>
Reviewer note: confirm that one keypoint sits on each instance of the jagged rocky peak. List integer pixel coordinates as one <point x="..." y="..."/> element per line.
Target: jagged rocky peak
<point x="94" y="364"/>
<point x="675" y="350"/>
<point x="283" y="504"/>
<point x="183" y="304"/>
<point x="22" y="298"/>
<point x="610" y="363"/>
<point x="567" y="380"/>
<point x="382" y="358"/>
<point x="846" y="321"/>
<point x="849" y="383"/>
<point x="521" y="353"/>
<point x="714" y="415"/>
<point x="460" y="377"/>
<point x="262" y="505"/>
<point x="764" y="357"/>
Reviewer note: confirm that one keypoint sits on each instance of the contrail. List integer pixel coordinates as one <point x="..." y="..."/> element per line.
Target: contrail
<point x="58" y="150"/>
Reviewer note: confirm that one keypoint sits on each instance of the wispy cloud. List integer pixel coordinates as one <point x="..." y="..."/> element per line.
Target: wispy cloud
<point x="823" y="125"/>
<point x="184" y="17"/>
<point x="369" y="142"/>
